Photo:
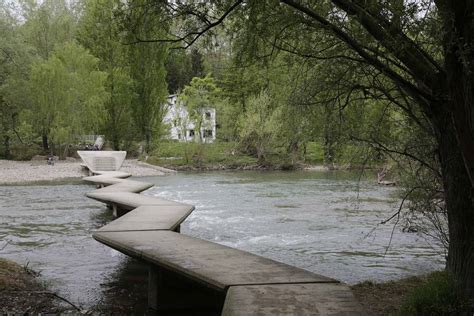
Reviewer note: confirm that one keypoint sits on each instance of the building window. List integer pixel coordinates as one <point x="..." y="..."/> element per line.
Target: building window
<point x="208" y="115"/>
<point x="191" y="133"/>
<point x="208" y="133"/>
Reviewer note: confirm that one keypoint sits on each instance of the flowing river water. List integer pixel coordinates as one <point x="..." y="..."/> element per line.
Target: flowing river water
<point x="325" y="222"/>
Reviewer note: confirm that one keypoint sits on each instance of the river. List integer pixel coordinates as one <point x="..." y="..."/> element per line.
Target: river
<point x="325" y="222"/>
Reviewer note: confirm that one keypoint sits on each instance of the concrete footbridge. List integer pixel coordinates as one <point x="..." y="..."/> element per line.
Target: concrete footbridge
<point x="191" y="274"/>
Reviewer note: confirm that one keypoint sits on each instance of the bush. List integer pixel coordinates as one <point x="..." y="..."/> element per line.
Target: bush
<point x="134" y="149"/>
<point x="314" y="153"/>
<point x="217" y="154"/>
<point x="437" y="296"/>
<point x="25" y="152"/>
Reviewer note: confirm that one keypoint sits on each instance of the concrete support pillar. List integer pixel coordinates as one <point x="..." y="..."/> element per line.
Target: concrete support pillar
<point x="168" y="291"/>
<point x="118" y="211"/>
<point x="154" y="280"/>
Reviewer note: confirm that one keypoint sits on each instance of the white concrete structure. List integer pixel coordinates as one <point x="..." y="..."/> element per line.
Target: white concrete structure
<point x="98" y="161"/>
<point x="183" y="127"/>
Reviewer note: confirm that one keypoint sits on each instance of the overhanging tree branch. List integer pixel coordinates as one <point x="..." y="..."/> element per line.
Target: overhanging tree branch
<point x="423" y="97"/>
<point x="191" y="37"/>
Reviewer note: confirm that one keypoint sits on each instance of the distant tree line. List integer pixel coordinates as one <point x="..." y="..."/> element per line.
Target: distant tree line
<point x="69" y="68"/>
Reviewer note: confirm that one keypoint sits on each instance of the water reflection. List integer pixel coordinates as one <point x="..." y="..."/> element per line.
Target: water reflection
<point x="125" y="290"/>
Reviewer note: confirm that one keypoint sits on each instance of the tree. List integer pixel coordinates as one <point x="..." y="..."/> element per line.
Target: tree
<point x="423" y="52"/>
<point x="15" y="59"/>
<point x="147" y="69"/>
<point x="259" y="126"/>
<point x="201" y="95"/>
<point x="67" y="93"/>
<point x="178" y="70"/>
<point x="48" y="24"/>
<point x="99" y="31"/>
<point x="182" y="67"/>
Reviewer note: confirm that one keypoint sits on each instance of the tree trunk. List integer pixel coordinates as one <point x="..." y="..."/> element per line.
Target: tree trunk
<point x="116" y="141"/>
<point x="147" y="141"/>
<point x="329" y="148"/>
<point x="6" y="146"/>
<point x="115" y="137"/>
<point x="454" y="125"/>
<point x="460" y="204"/>
<point x="44" y="138"/>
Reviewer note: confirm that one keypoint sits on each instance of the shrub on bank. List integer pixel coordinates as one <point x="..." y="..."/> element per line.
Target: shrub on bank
<point x="437" y="296"/>
<point x="228" y="155"/>
<point x="314" y="153"/>
<point x="196" y="155"/>
<point x="25" y="152"/>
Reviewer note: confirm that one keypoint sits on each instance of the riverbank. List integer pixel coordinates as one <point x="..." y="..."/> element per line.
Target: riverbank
<point x="228" y="156"/>
<point x="191" y="156"/>
<point x="24" y="172"/>
<point x="386" y="298"/>
<point x="235" y="166"/>
<point x="431" y="294"/>
<point x="21" y="293"/>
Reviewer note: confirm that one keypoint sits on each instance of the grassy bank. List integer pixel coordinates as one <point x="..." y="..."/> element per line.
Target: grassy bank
<point x="21" y="293"/>
<point x="225" y="155"/>
<point x="432" y="294"/>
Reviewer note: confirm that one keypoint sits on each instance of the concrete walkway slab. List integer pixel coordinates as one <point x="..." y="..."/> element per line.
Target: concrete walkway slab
<point x="129" y="201"/>
<point x="107" y="179"/>
<point x="209" y="263"/>
<point x="150" y="217"/>
<point x="114" y="174"/>
<point x="291" y="299"/>
<point x="126" y="186"/>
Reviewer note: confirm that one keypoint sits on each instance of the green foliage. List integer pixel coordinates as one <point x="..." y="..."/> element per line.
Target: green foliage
<point x="226" y="114"/>
<point x="147" y="66"/>
<point x="200" y="95"/>
<point x="67" y="92"/>
<point x="48" y="24"/>
<point x="198" y="155"/>
<point x="314" y="153"/>
<point x="181" y="67"/>
<point x="24" y="152"/>
<point x="15" y="59"/>
<point x="178" y="74"/>
<point x="259" y="126"/>
<point x="99" y="31"/>
<point x="437" y="296"/>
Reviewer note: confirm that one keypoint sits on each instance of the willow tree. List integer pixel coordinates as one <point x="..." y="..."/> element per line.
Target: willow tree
<point x="47" y="24"/>
<point x="15" y="60"/>
<point x="423" y="50"/>
<point x="147" y="67"/>
<point x="67" y="94"/>
<point x="99" y="31"/>
<point x="199" y="96"/>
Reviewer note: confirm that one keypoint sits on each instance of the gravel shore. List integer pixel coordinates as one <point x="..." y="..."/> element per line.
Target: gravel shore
<point x="18" y="172"/>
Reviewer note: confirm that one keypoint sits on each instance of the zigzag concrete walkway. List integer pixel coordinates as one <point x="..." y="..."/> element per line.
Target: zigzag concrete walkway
<point x="187" y="272"/>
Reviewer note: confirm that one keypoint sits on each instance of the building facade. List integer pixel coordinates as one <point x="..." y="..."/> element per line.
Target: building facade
<point x="184" y="128"/>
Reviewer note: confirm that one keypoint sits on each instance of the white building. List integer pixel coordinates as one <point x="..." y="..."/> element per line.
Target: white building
<point x="183" y="127"/>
